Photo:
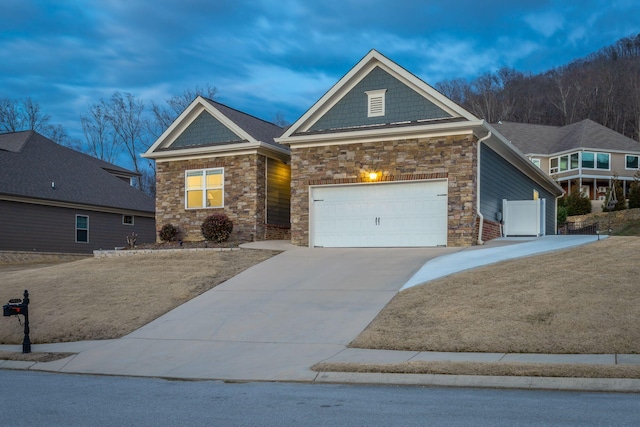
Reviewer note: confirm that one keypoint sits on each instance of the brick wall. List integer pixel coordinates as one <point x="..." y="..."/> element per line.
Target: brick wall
<point x="277" y="232"/>
<point x="409" y="159"/>
<point x="244" y="196"/>
<point x="490" y="230"/>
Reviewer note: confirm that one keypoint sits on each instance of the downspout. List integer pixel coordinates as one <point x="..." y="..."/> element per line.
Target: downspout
<point x="480" y="227"/>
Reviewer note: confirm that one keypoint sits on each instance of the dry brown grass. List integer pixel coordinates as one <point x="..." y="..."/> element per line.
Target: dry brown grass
<point x="103" y="298"/>
<point x="496" y="369"/>
<point x="33" y="357"/>
<point x="582" y="300"/>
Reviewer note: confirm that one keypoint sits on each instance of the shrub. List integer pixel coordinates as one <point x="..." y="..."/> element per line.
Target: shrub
<point x="562" y="214"/>
<point x="576" y="202"/>
<point x="168" y="232"/>
<point x="217" y="228"/>
<point x="634" y="192"/>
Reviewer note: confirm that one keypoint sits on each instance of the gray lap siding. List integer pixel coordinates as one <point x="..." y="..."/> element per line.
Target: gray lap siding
<point x="500" y="180"/>
<point x="42" y="228"/>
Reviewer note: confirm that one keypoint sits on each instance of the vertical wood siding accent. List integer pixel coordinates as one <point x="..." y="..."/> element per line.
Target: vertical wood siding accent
<point x="278" y="193"/>
<point x="38" y="228"/>
<point x="499" y="180"/>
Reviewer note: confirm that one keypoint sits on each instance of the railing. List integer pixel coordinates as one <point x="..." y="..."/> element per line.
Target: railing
<point x="578" y="228"/>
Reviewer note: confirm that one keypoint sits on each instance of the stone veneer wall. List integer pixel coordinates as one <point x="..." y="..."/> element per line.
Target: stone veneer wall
<point x="244" y="196"/>
<point x="452" y="157"/>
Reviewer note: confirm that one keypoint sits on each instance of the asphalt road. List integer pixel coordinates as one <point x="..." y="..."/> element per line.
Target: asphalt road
<point x="37" y="398"/>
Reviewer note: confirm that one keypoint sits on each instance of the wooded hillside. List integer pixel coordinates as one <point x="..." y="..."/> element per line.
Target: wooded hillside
<point x="603" y="87"/>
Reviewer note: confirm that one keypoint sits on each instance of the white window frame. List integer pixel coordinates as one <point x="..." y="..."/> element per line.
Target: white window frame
<point x="637" y="161"/>
<point x="536" y="161"/>
<point x="595" y="161"/>
<point x="81" y="229"/>
<point x="128" y="223"/>
<point x="204" y="188"/>
<point x="376" y="103"/>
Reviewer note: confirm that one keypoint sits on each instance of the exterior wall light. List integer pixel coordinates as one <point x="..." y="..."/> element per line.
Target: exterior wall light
<point x="373" y="176"/>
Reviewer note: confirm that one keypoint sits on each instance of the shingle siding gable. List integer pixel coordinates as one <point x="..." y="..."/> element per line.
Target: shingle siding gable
<point x="205" y="130"/>
<point x="401" y="104"/>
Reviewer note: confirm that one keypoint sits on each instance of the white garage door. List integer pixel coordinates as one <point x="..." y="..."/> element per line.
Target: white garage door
<point x="379" y="215"/>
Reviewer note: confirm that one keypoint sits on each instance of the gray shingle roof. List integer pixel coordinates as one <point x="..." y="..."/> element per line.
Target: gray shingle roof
<point x="30" y="171"/>
<point x="259" y="129"/>
<point x="541" y="139"/>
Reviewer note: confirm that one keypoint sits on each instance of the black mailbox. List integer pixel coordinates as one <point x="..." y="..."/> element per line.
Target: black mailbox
<point x="15" y="306"/>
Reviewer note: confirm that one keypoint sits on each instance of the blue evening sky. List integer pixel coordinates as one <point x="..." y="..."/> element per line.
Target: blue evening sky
<point x="270" y="56"/>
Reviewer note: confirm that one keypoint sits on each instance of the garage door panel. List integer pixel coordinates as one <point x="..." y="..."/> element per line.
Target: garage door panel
<point x="380" y="215"/>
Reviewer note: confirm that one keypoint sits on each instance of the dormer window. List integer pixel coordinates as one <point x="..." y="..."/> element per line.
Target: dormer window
<point x="375" y="103"/>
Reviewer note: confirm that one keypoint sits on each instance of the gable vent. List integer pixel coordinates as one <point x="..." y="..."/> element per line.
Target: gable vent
<point x="376" y="103"/>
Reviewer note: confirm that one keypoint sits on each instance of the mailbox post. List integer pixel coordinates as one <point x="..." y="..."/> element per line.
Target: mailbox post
<point x="17" y="307"/>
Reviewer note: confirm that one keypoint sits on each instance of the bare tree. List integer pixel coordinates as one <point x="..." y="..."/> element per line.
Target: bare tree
<point x="99" y="134"/>
<point x="125" y="114"/>
<point x="164" y="115"/>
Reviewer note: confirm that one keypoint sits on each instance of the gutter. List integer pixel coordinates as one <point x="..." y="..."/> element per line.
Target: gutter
<point x="480" y="227"/>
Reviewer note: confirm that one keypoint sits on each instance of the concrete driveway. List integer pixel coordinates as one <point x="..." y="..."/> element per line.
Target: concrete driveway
<point x="271" y="322"/>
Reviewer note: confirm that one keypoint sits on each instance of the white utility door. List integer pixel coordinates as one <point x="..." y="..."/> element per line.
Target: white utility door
<point x="379" y="215"/>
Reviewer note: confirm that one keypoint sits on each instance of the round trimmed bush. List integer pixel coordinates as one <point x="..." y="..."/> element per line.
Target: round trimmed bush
<point x="217" y="228"/>
<point x="168" y="232"/>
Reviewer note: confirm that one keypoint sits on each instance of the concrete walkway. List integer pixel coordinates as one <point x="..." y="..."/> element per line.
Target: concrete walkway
<point x="277" y="319"/>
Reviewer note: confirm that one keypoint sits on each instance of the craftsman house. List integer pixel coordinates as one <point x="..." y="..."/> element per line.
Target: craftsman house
<point x="214" y="159"/>
<point x="383" y="159"/>
<point x="583" y="153"/>
<point x="54" y="199"/>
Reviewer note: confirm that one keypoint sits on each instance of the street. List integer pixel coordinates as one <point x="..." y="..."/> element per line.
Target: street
<point x="37" y="398"/>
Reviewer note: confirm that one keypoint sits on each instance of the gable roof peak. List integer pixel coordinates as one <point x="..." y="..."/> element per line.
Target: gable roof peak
<point x="356" y="75"/>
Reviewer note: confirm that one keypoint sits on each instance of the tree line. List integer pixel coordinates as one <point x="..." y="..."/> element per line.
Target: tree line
<point x="603" y="87"/>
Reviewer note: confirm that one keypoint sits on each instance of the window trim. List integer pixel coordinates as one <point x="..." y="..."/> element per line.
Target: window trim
<point x="626" y="162"/>
<point x="376" y="103"/>
<point x="536" y="161"/>
<point x="128" y="223"/>
<point x="204" y="188"/>
<point x="81" y="229"/>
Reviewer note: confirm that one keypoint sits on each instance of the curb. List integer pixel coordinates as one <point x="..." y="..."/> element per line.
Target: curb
<point x="620" y="385"/>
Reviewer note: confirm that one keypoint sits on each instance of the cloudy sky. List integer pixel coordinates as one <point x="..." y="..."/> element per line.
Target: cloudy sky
<point x="270" y="56"/>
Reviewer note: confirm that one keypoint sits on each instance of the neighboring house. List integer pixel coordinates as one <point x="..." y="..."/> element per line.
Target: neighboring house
<point x="54" y="199"/>
<point x="583" y="153"/>
<point x="385" y="160"/>
<point x="214" y="159"/>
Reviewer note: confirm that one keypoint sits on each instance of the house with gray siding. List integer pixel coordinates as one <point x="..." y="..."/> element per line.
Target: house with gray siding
<point x="215" y="159"/>
<point x="385" y="160"/>
<point x="54" y="199"/>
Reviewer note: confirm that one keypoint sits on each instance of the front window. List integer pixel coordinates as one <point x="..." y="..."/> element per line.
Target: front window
<point x="204" y="188"/>
<point x="82" y="229"/>
<point x="588" y="160"/>
<point x="631" y="162"/>
<point x="553" y="166"/>
<point x="574" y="161"/>
<point x="536" y="162"/>
<point x="127" y="219"/>
<point x="602" y="161"/>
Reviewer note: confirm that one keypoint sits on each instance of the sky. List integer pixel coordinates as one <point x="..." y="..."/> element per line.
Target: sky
<point x="279" y="56"/>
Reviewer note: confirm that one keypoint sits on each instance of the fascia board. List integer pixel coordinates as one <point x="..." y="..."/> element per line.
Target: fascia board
<point x="79" y="206"/>
<point x="381" y="134"/>
<point x="259" y="147"/>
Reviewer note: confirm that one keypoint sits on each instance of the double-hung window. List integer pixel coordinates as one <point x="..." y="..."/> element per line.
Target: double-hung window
<point x="204" y="188"/>
<point x="82" y="229"/>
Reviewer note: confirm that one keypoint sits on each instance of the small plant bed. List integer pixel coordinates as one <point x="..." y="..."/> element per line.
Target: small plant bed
<point x="33" y="357"/>
<point x="232" y="243"/>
